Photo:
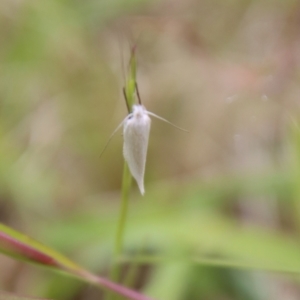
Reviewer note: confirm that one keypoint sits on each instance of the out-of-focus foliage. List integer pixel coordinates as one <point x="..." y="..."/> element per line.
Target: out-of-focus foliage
<point x="221" y="214"/>
<point x="24" y="248"/>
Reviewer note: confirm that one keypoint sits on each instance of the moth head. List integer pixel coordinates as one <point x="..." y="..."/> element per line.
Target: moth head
<point x="138" y="111"/>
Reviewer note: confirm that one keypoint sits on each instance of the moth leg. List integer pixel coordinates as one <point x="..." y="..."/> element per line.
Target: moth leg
<point x="138" y="93"/>
<point x="124" y="93"/>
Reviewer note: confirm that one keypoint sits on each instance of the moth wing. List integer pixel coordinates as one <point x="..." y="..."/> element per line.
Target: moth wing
<point x="136" y="136"/>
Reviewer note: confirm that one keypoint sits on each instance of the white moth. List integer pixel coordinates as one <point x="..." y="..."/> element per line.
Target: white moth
<point x="136" y="137"/>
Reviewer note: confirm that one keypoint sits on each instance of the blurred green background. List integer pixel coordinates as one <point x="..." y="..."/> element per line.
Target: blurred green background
<point x="221" y="215"/>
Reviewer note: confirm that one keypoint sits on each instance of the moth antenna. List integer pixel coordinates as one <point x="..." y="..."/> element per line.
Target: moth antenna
<point x="162" y="119"/>
<point x="138" y="93"/>
<point x="124" y="93"/>
<point x="112" y="135"/>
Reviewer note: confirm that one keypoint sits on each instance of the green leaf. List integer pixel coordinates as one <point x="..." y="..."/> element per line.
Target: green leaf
<point x="24" y="248"/>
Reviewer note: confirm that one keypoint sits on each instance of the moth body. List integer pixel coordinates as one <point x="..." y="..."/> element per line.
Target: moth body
<point x="136" y="136"/>
<point x="136" y="130"/>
